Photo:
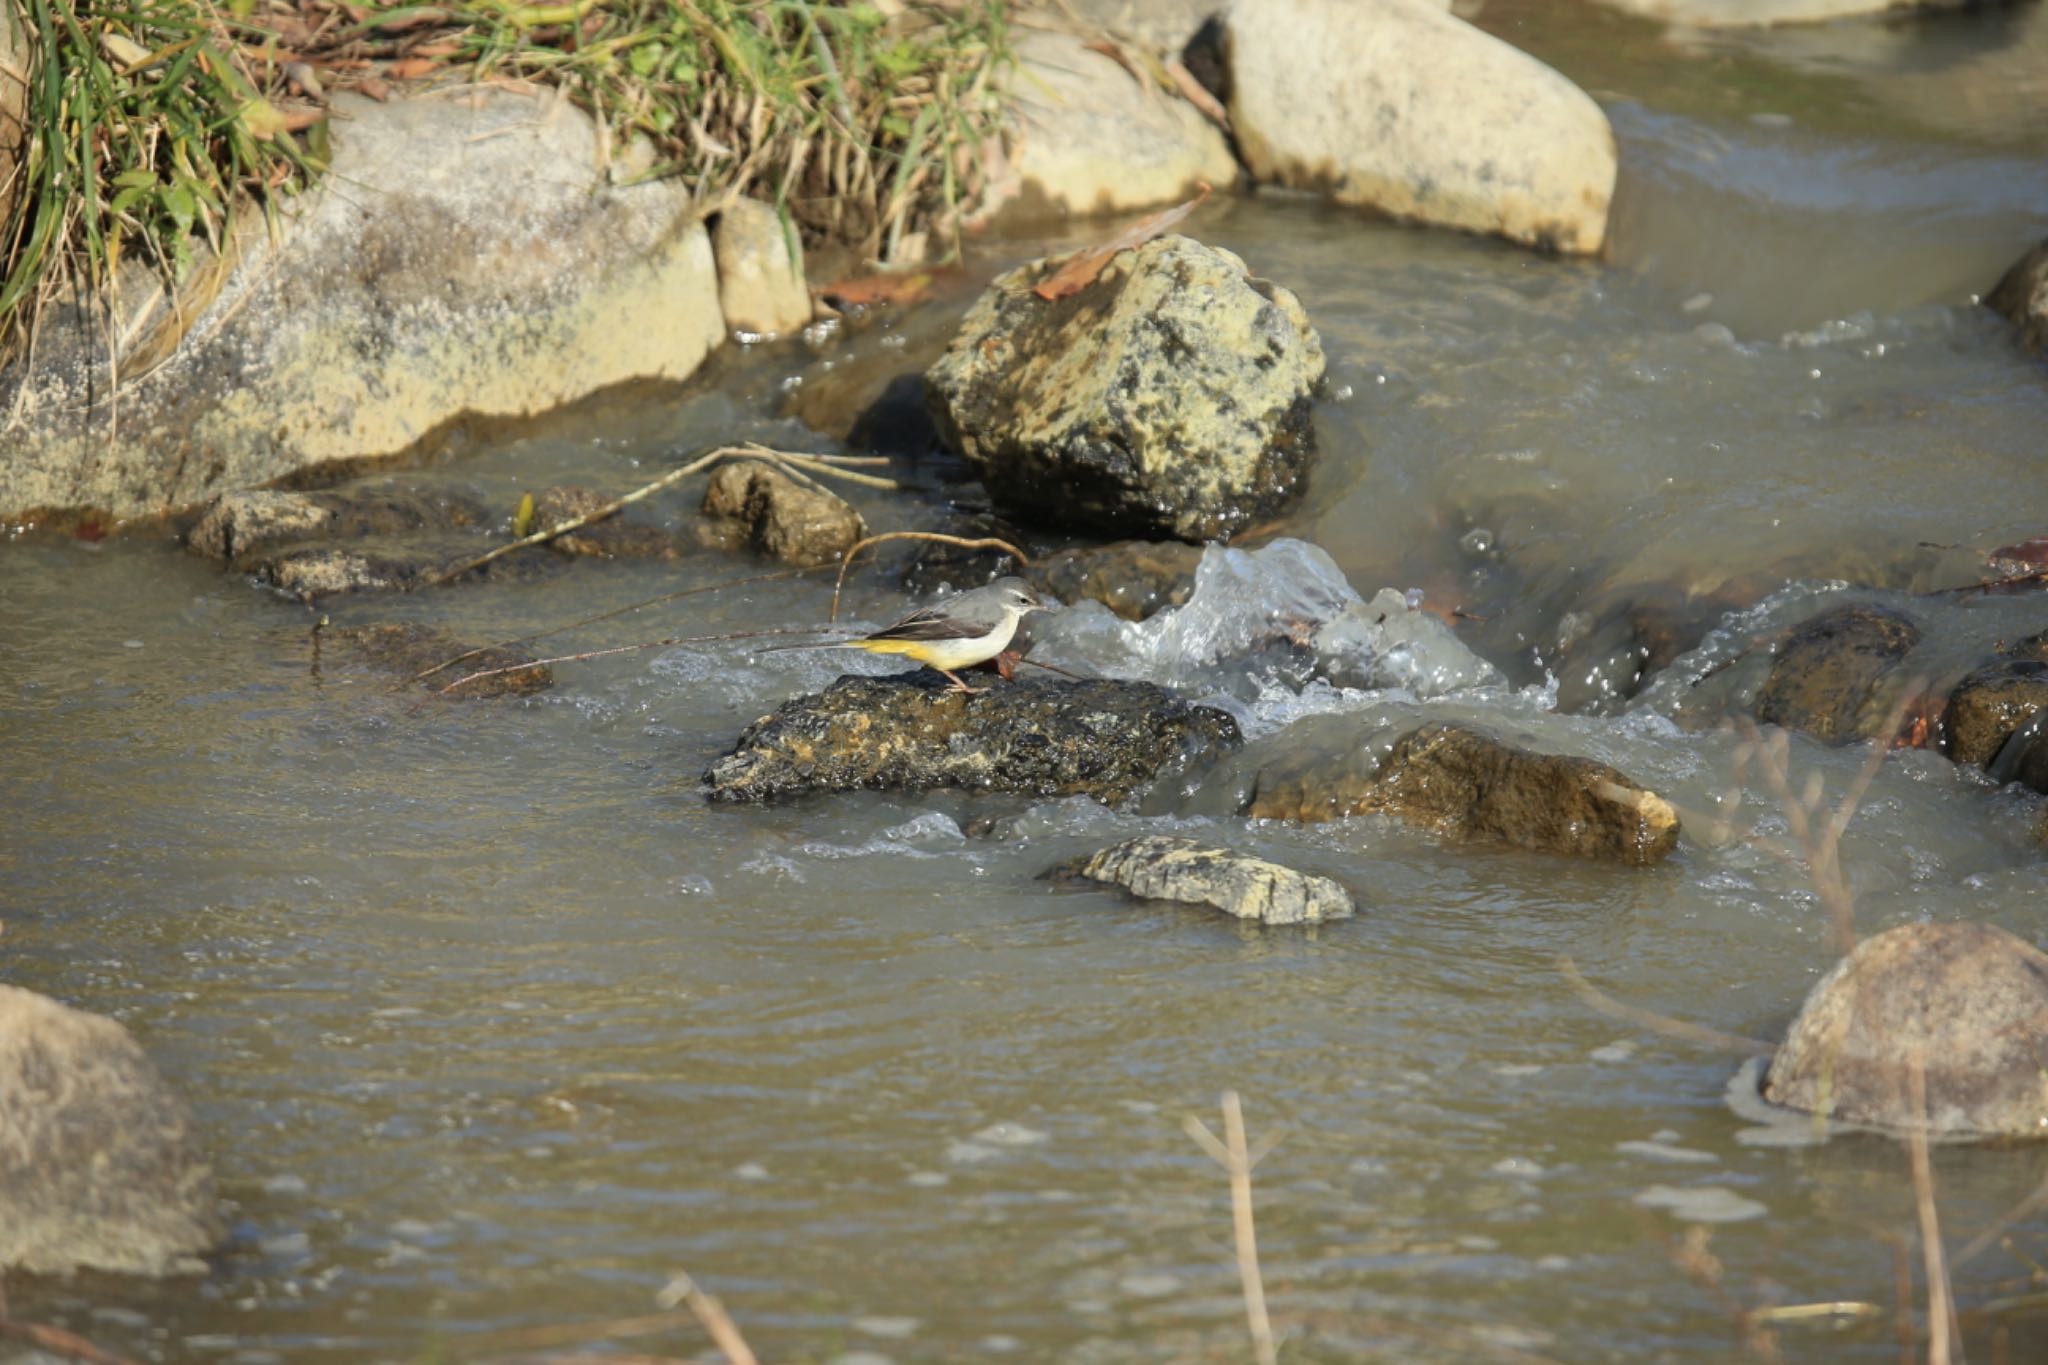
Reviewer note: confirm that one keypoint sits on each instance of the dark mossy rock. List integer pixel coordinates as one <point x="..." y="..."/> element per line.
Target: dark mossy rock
<point x="1966" y="1002"/>
<point x="100" y="1165"/>
<point x="1988" y="705"/>
<point x="1836" y="675"/>
<point x="618" y="536"/>
<point x="1168" y="398"/>
<point x="237" y="528"/>
<point x="1465" y="784"/>
<point x="794" y="522"/>
<point x="2022" y="297"/>
<point x="406" y="650"/>
<point x="1160" y="867"/>
<point x="1101" y="738"/>
<point x="1133" y="578"/>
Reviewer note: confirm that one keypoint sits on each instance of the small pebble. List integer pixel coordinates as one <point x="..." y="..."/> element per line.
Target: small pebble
<point x="1007" y="1134"/>
<point x="750" y="1170"/>
<point x="1701" y="1204"/>
<point x="886" y="1326"/>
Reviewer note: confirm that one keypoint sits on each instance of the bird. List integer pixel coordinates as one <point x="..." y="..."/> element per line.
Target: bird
<point x="959" y="632"/>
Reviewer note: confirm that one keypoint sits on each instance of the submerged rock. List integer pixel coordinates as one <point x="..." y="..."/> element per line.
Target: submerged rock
<point x="99" y="1165"/>
<point x="2022" y="297"/>
<point x="780" y="517"/>
<point x="1133" y="578"/>
<point x="1465" y="784"/>
<point x="1088" y="137"/>
<point x="1989" y="705"/>
<point x="1168" y="398"/>
<point x="618" y="536"/>
<point x="760" y="282"/>
<point x="1836" y="674"/>
<point x="1399" y="106"/>
<point x="1968" y="1002"/>
<point x="408" y="649"/>
<point x="1099" y="738"/>
<point x="1168" y="869"/>
<point x="237" y="527"/>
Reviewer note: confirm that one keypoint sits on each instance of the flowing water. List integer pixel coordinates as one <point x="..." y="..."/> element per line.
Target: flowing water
<point x="493" y="1024"/>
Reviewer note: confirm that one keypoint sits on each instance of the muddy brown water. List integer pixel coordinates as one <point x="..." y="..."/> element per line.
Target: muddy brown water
<point x="494" y="1025"/>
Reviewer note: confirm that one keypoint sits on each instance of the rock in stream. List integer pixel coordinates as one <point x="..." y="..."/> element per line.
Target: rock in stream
<point x="1101" y="738"/>
<point x="1168" y="398"/>
<point x="1160" y="867"/>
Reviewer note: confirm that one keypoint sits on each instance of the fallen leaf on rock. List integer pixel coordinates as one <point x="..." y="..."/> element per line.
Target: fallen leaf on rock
<point x="1083" y="266"/>
<point x="374" y="87"/>
<point x="2022" y="557"/>
<point x="1120" y="57"/>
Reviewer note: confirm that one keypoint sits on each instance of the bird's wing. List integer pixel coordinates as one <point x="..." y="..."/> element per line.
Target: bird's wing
<point x="931" y="623"/>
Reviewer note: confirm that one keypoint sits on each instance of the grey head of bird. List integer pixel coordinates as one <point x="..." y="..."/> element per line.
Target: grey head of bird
<point x="1015" y="595"/>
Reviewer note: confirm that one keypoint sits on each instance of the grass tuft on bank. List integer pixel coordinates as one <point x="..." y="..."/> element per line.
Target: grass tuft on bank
<point x="143" y="126"/>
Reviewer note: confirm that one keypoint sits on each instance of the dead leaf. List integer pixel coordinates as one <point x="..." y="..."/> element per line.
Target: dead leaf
<point x="297" y="118"/>
<point x="1197" y="94"/>
<point x="888" y="286"/>
<point x="412" y="68"/>
<point x="1083" y="266"/>
<point x="375" y="88"/>
<point x="2020" y="558"/>
<point x="435" y="50"/>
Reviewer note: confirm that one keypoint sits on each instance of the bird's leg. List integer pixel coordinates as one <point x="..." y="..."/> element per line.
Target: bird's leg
<point x="959" y="683"/>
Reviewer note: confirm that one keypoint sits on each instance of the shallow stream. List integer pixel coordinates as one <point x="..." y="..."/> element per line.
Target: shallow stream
<point x="493" y="1024"/>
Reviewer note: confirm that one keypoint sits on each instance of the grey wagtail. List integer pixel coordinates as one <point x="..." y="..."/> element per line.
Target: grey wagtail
<point x="964" y="630"/>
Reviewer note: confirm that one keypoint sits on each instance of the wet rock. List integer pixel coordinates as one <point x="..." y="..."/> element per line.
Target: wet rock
<point x="466" y="256"/>
<point x="780" y="517"/>
<point x="1969" y="1001"/>
<point x="1168" y="398"/>
<point x="385" y="565"/>
<point x="1836" y="675"/>
<point x="2022" y="297"/>
<point x="238" y="527"/>
<point x="1087" y="137"/>
<point x="1988" y="705"/>
<point x="1101" y="738"/>
<point x="407" y="649"/>
<point x="760" y="283"/>
<point x="1133" y="578"/>
<point x="1168" y="869"/>
<point x="1465" y="784"/>
<point x="99" y="1166"/>
<point x="619" y="536"/>
<point x="1398" y="106"/>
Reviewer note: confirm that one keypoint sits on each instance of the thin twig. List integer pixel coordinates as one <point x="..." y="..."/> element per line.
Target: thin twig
<point x="2018" y="1213"/>
<point x="608" y="615"/>
<point x="1233" y="1156"/>
<point x="1659" y="1023"/>
<point x="983" y="543"/>
<point x="1940" y="1295"/>
<point x="712" y="1315"/>
<point x="620" y="649"/>
<point x="57" y="1341"/>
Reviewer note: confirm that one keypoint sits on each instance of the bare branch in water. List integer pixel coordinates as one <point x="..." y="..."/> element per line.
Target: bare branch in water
<point x="608" y="615"/>
<point x="711" y="1313"/>
<point x="1941" y="1308"/>
<point x="788" y="460"/>
<point x="1660" y="1023"/>
<point x="984" y="543"/>
<point x="1232" y="1154"/>
<point x="621" y="649"/>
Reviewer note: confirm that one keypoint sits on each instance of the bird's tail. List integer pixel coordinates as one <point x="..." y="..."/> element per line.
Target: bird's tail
<point x="817" y="644"/>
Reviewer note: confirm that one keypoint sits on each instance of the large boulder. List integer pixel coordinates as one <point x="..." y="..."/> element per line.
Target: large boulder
<point x="465" y="256"/>
<point x="1171" y="397"/>
<point x="99" y="1166"/>
<point x="1099" y="738"/>
<point x="1966" y="1002"/>
<point x="2022" y="297"/>
<point x="1989" y="705"/>
<point x="1837" y="674"/>
<point x="1465" y="784"/>
<point x="1398" y="106"/>
<point x="1133" y="578"/>
<point x="1161" y="867"/>
<point x="1087" y="137"/>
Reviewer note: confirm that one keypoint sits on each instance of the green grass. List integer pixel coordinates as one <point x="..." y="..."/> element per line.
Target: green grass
<point x="150" y="123"/>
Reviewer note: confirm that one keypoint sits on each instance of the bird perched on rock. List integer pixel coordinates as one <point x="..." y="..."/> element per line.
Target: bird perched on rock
<point x="959" y="632"/>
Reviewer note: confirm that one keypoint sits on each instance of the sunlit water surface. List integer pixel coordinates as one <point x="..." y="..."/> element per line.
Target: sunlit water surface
<point x="494" y="1024"/>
